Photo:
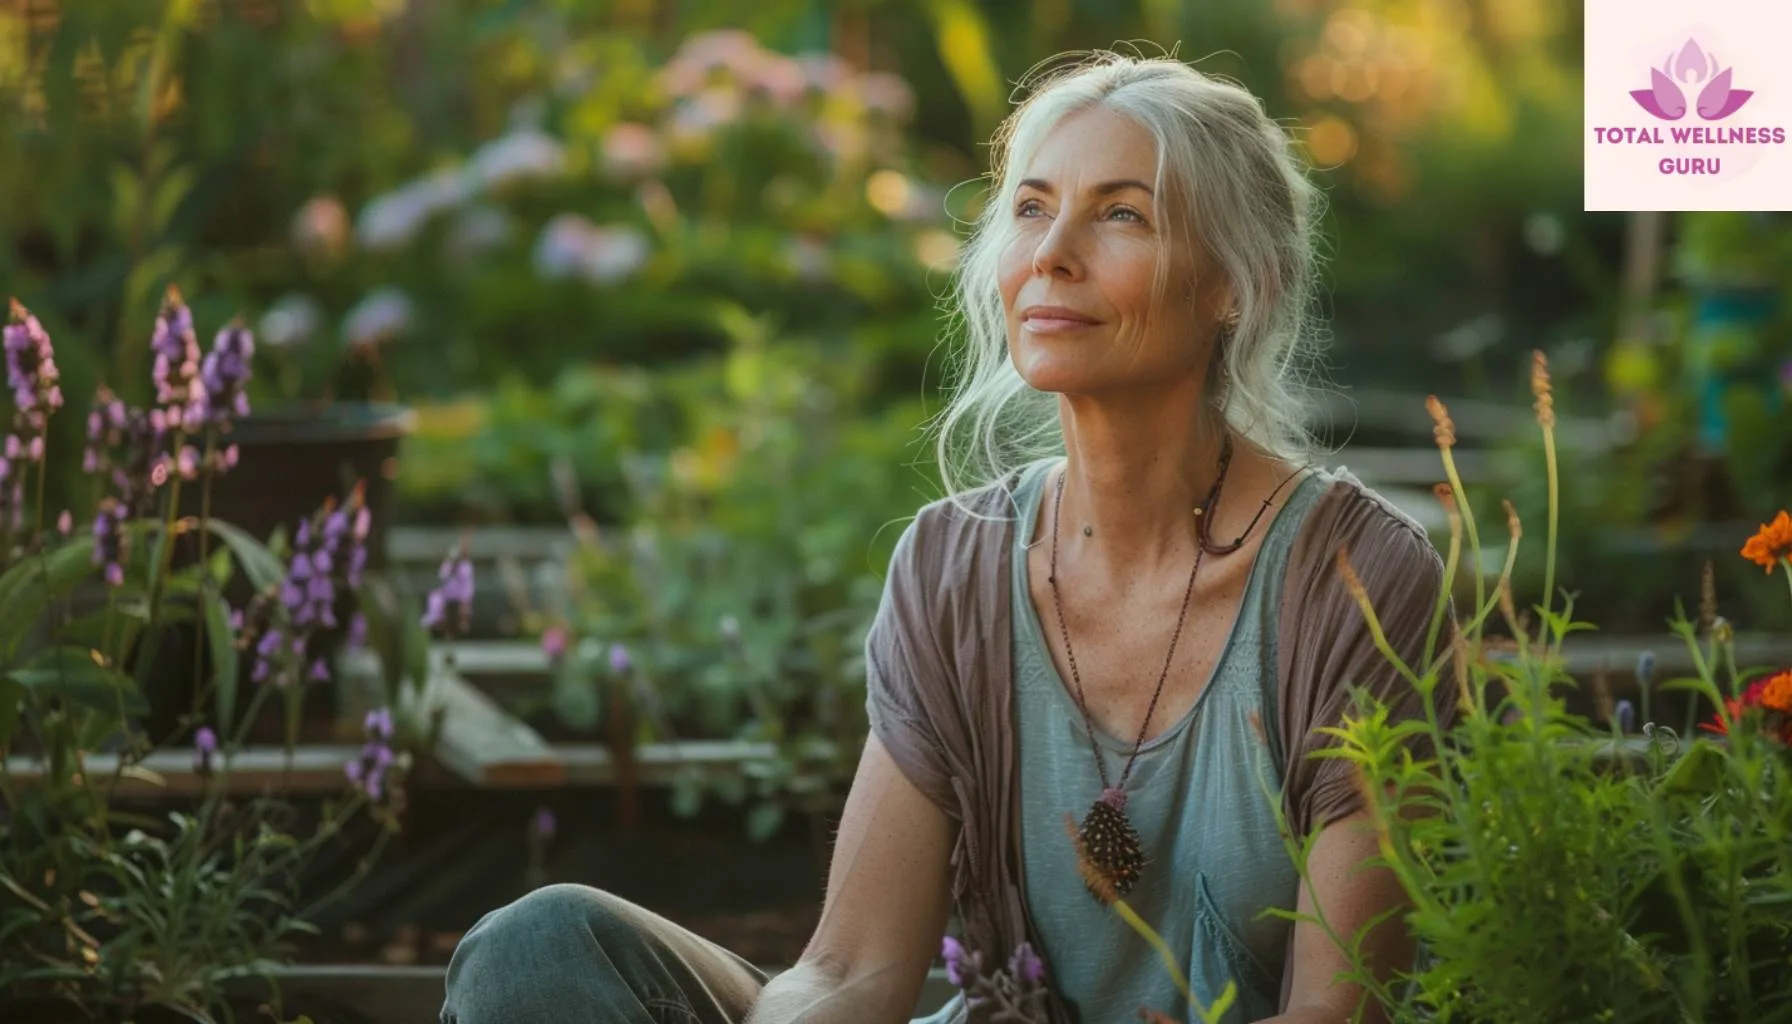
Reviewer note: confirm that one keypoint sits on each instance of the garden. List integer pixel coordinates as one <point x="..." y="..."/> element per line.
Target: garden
<point x="456" y="446"/>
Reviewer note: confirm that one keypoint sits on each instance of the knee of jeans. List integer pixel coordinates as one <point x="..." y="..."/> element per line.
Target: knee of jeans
<point x="566" y="906"/>
<point x="536" y="951"/>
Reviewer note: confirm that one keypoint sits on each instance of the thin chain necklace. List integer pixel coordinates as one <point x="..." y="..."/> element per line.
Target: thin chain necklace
<point x="1106" y="836"/>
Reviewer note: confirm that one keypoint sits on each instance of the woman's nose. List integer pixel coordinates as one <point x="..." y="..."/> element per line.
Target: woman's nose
<point x="1058" y="252"/>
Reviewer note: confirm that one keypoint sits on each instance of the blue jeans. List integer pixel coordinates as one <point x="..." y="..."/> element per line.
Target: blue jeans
<point x="569" y="954"/>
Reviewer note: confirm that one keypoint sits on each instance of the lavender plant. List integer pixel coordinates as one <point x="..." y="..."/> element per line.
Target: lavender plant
<point x="1012" y="994"/>
<point x="100" y="908"/>
<point x="1561" y="869"/>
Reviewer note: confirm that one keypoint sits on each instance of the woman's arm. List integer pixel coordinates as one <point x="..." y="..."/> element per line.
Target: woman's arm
<point x="885" y="912"/>
<point x="1350" y="894"/>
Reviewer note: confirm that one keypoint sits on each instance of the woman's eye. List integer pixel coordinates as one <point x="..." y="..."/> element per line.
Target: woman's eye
<point x="1027" y="208"/>
<point x="1127" y="212"/>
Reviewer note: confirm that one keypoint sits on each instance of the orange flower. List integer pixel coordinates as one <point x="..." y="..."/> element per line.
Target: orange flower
<point x="1776" y="695"/>
<point x="1736" y="707"/>
<point x="1771" y="543"/>
<point x="1772" y="695"/>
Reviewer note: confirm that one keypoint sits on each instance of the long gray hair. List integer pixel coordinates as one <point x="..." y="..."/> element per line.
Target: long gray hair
<point x="1246" y="199"/>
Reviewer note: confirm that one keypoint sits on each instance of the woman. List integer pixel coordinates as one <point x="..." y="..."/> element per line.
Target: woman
<point x="1065" y="640"/>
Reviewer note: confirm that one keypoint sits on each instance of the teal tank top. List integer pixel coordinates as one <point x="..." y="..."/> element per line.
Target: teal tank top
<point x="1202" y="796"/>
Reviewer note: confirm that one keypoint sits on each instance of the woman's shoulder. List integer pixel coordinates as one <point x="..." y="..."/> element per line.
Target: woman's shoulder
<point x="971" y="516"/>
<point x="1349" y="512"/>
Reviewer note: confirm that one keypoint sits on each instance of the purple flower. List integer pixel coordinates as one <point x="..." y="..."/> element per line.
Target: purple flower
<point x="619" y="659"/>
<point x="108" y="540"/>
<point x="179" y="393"/>
<point x="224" y="376"/>
<point x="449" y="607"/>
<point x="305" y="601"/>
<point x="1025" y="964"/>
<point x="953" y="952"/>
<point x="378" y="724"/>
<point x="1625" y="716"/>
<point x="33" y="378"/>
<point x="31" y="370"/>
<point x="205" y="744"/>
<point x="543" y="826"/>
<point x="1645" y="669"/>
<point x="126" y="449"/>
<point x="553" y="643"/>
<point x="367" y="772"/>
<point x="1016" y="992"/>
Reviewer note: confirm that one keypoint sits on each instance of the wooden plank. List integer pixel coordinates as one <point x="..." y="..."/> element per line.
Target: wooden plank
<point x="1585" y="653"/>
<point x="480" y="742"/>
<point x="657" y="764"/>
<point x="484" y="744"/>
<point x="1475" y="419"/>
<point x="1617" y="655"/>
<point x="1414" y="466"/>
<point x="313" y="770"/>
<point x="471" y="658"/>
<point x="471" y="755"/>
<point x="428" y="545"/>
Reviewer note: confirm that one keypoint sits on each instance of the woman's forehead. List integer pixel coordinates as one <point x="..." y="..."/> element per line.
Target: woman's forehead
<point x="1092" y="146"/>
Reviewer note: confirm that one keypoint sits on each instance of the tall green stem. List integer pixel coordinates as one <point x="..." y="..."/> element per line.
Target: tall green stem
<point x="200" y="689"/>
<point x="159" y="569"/>
<point x="1549" y="554"/>
<point x="1468" y="523"/>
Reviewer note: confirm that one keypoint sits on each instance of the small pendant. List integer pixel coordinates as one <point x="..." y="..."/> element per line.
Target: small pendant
<point x="1110" y="845"/>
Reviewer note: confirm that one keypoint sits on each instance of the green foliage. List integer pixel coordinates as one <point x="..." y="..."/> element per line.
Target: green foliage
<point x="1562" y="871"/>
<point x="742" y="583"/>
<point x="102" y="907"/>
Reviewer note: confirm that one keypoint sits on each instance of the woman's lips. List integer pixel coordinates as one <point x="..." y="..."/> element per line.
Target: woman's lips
<point x="1055" y="324"/>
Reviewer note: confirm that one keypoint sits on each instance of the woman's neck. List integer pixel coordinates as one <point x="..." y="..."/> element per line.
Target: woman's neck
<point x="1135" y="474"/>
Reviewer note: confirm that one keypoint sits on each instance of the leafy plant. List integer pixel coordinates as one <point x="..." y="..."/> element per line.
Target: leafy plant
<point x="104" y="907"/>
<point x="1562" y="870"/>
<point x="733" y="603"/>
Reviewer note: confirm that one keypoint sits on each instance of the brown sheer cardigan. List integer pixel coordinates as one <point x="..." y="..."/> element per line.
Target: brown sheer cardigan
<point x="940" y="677"/>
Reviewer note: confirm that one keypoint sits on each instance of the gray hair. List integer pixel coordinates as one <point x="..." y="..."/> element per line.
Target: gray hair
<point x="1247" y="200"/>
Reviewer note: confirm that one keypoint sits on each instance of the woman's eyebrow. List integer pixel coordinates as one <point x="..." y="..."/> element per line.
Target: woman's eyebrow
<point x="1105" y="188"/>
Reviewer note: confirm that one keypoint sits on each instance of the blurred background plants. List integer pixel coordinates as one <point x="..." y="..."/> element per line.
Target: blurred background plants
<point x="734" y="605"/>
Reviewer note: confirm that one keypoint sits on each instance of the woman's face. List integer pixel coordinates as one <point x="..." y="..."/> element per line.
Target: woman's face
<point x="1079" y="276"/>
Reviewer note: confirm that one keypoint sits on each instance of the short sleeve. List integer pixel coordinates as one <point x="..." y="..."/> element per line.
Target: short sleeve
<point x="1328" y="653"/>
<point x="903" y="652"/>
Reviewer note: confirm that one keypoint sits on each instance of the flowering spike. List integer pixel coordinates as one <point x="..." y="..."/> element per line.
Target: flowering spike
<point x="1444" y="429"/>
<point x="1707" y="599"/>
<point x="1546" y="404"/>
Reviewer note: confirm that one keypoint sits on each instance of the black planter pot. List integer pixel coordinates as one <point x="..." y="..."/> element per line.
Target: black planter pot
<point x="290" y="459"/>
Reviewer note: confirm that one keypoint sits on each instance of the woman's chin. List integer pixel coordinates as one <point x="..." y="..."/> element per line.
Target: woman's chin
<point x="1064" y="380"/>
<point x="1057" y="367"/>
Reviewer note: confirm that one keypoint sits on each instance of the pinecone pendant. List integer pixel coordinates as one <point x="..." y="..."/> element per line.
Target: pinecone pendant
<point x="1110" y="846"/>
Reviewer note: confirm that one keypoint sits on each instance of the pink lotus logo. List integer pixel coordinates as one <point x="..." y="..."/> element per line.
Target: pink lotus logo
<point x="1691" y="67"/>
